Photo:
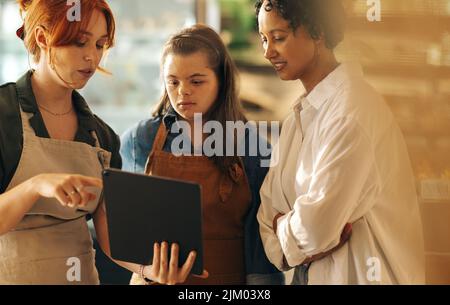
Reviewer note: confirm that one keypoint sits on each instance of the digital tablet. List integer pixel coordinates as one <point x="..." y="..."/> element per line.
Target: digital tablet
<point x="143" y="209"/>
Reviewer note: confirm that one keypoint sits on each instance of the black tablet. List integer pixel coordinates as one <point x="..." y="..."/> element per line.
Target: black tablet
<point x="142" y="210"/>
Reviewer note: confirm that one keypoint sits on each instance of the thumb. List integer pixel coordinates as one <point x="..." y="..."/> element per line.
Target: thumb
<point x="204" y="275"/>
<point x="92" y="197"/>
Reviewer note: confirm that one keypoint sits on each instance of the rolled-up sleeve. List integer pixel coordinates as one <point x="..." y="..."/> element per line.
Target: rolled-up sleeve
<point x="266" y="213"/>
<point x="342" y="161"/>
<point x="265" y="216"/>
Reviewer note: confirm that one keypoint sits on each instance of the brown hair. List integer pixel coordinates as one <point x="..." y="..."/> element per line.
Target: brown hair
<point x="52" y="15"/>
<point x="200" y="38"/>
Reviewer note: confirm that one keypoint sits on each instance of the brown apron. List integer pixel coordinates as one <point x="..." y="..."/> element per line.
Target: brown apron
<point x="225" y="203"/>
<point x="52" y="240"/>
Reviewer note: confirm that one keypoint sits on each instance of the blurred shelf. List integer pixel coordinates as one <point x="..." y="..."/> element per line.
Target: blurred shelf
<point x="403" y="7"/>
<point x="427" y="72"/>
<point x="424" y="72"/>
<point x="413" y="27"/>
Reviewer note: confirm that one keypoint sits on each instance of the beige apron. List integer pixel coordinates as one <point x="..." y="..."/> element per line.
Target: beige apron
<point x="52" y="243"/>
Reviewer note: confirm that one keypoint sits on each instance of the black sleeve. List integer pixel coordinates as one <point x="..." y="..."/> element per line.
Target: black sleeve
<point x="2" y="170"/>
<point x="116" y="159"/>
<point x="10" y="135"/>
<point x="3" y="105"/>
<point x="109" y="141"/>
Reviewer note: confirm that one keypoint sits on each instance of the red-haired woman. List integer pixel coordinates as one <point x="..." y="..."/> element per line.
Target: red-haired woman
<point x="53" y="148"/>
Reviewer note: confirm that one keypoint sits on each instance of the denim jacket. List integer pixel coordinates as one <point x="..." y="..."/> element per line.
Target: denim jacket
<point x="137" y="143"/>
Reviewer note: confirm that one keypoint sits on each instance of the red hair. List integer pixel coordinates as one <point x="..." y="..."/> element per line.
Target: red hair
<point x="52" y="15"/>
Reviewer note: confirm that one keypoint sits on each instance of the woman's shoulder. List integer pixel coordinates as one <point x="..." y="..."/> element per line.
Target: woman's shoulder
<point x="109" y="140"/>
<point x="144" y="130"/>
<point x="137" y="142"/>
<point x="7" y="86"/>
<point x="8" y="98"/>
<point x="9" y="107"/>
<point x="104" y="131"/>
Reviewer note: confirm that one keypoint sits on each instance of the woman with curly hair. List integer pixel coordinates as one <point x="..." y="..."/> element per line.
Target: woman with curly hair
<point x="343" y="166"/>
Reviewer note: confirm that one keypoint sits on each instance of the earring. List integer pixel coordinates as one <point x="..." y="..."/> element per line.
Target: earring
<point x="52" y="65"/>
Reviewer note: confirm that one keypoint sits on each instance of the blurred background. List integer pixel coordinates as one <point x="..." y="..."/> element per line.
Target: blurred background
<point x="405" y="56"/>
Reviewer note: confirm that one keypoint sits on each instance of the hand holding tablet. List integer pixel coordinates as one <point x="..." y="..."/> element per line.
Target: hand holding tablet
<point x="165" y="271"/>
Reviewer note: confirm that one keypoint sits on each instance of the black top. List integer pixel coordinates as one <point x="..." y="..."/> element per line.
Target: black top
<point x="11" y="135"/>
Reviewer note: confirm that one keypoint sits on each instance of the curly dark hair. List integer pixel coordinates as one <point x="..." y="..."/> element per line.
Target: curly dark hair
<point x="325" y="17"/>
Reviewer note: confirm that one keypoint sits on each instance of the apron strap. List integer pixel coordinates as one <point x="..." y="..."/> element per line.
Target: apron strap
<point x="26" y="127"/>
<point x="160" y="138"/>
<point x="158" y="145"/>
<point x="102" y="155"/>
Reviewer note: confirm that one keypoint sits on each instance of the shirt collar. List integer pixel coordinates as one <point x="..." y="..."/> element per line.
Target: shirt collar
<point x="170" y="117"/>
<point x="331" y="84"/>
<point x="25" y="93"/>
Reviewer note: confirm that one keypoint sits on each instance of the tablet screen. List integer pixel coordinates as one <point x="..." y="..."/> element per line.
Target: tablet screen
<point x="142" y="210"/>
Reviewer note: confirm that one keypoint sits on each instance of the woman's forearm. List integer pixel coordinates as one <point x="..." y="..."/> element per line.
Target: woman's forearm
<point x="15" y="203"/>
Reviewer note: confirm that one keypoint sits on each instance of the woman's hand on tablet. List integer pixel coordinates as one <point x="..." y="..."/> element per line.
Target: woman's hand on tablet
<point x="167" y="272"/>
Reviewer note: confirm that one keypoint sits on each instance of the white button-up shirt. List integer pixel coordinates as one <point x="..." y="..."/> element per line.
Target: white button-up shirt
<point x="341" y="158"/>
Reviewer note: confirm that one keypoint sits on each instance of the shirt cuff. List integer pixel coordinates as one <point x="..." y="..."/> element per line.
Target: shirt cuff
<point x="292" y="252"/>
